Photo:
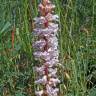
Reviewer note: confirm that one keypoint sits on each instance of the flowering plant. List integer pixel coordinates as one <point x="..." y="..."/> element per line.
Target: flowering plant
<point x="46" y="49"/>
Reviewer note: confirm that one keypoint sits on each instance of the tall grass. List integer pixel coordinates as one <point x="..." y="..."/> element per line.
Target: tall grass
<point x="77" y="45"/>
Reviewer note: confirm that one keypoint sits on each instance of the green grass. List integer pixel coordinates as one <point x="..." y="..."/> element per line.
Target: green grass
<point x="77" y="45"/>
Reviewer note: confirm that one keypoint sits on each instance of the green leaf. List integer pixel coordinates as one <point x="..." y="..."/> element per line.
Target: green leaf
<point x="92" y="92"/>
<point x="5" y="27"/>
<point x="19" y="93"/>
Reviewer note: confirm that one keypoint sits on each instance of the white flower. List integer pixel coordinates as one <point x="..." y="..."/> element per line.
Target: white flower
<point x="55" y="91"/>
<point x="37" y="54"/>
<point x="39" y="93"/>
<point x="52" y="70"/>
<point x="52" y="73"/>
<point x="39" y="44"/>
<point x="52" y="62"/>
<point x="53" y="52"/>
<point x="52" y="91"/>
<point x="40" y="70"/>
<point x="55" y="17"/>
<point x="53" y="26"/>
<point x="49" y="90"/>
<point x="37" y="31"/>
<point x="47" y="55"/>
<point x="42" y="81"/>
<point x="54" y="81"/>
<point x="39" y="20"/>
<point x="53" y="42"/>
<point x="51" y="30"/>
<point x="51" y="17"/>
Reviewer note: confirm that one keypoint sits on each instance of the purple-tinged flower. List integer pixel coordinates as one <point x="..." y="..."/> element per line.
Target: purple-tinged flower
<point x="46" y="49"/>
<point x="43" y="80"/>
<point x="52" y="91"/>
<point x="39" y="44"/>
<point x="54" y="81"/>
<point x="52" y="62"/>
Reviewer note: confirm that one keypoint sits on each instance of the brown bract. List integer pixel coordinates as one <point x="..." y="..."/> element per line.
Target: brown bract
<point x="44" y="10"/>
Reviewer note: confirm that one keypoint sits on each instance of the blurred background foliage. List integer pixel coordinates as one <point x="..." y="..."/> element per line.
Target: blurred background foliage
<point x="77" y="44"/>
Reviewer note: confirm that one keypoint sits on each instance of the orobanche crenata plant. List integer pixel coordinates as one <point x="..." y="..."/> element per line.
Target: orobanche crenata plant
<point x="46" y="50"/>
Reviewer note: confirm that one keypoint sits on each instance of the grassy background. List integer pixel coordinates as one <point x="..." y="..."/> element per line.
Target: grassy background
<point x="77" y="44"/>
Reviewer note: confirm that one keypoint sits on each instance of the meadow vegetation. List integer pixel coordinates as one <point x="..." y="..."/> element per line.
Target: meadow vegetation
<point x="77" y="45"/>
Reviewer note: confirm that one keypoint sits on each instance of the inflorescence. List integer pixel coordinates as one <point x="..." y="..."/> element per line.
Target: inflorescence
<point x="46" y="50"/>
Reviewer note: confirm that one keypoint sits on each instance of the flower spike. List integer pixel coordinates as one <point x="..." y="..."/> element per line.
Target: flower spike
<point x="46" y="50"/>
